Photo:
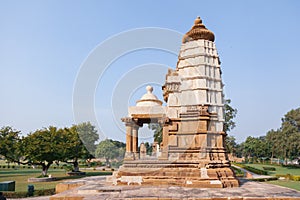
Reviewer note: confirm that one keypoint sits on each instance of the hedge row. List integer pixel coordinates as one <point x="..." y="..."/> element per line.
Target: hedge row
<point x="269" y="168"/>
<point x="45" y="192"/>
<point x="238" y="172"/>
<point x="252" y="169"/>
<point x="289" y="177"/>
<point x="27" y="167"/>
<point x="265" y="179"/>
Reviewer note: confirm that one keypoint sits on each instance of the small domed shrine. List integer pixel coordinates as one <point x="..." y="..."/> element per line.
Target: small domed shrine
<point x="192" y="152"/>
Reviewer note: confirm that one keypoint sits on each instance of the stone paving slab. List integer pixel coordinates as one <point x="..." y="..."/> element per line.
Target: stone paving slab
<point x="97" y="188"/>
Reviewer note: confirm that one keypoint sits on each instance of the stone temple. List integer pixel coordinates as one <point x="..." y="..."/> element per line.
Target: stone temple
<point x="192" y="152"/>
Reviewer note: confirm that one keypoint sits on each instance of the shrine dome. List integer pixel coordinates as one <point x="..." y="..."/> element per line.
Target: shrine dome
<point x="149" y="99"/>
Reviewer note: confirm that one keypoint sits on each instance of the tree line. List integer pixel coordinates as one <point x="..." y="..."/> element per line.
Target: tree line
<point x="47" y="146"/>
<point x="282" y="143"/>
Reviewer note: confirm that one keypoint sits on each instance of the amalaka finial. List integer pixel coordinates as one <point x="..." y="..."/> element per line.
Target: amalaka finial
<point x="198" y="20"/>
<point x="197" y="32"/>
<point x="149" y="89"/>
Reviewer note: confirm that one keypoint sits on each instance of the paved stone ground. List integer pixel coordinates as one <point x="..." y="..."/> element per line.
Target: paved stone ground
<point x="97" y="188"/>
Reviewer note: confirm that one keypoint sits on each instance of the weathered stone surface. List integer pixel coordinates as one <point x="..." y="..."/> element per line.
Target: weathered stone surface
<point x="97" y="188"/>
<point x="192" y="152"/>
<point x="61" y="187"/>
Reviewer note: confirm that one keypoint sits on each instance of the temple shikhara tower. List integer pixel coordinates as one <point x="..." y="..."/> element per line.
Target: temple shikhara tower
<point x="192" y="152"/>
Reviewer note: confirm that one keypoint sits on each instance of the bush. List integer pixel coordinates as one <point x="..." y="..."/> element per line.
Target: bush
<point x="45" y="192"/>
<point x="289" y="177"/>
<point x="15" y="194"/>
<point x="238" y="172"/>
<point x="269" y="168"/>
<point x="252" y="169"/>
<point x="265" y="179"/>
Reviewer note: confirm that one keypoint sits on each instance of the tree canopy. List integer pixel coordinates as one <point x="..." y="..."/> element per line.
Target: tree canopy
<point x="10" y="142"/>
<point x="110" y="149"/>
<point x="44" y="146"/>
<point x="48" y="145"/>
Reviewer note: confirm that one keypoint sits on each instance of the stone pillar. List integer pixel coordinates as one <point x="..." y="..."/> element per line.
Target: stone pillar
<point x="135" y="140"/>
<point x="165" y="143"/>
<point x="129" y="124"/>
<point x="128" y="137"/>
<point x="165" y="139"/>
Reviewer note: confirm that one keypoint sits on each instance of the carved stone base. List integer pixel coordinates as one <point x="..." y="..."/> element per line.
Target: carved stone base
<point x="187" y="174"/>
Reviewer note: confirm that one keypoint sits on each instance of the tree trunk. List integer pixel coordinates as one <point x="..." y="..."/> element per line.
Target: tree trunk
<point x="272" y="158"/>
<point x="45" y="168"/>
<point x="76" y="166"/>
<point x="107" y="161"/>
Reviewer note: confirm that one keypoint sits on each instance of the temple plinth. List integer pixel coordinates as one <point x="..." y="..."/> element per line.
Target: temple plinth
<point x="192" y="152"/>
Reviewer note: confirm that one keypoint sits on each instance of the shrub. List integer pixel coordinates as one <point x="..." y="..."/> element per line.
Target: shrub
<point x="252" y="169"/>
<point x="269" y="168"/>
<point x="45" y="192"/>
<point x="265" y="179"/>
<point x="238" y="172"/>
<point x="296" y="178"/>
<point x="15" y="194"/>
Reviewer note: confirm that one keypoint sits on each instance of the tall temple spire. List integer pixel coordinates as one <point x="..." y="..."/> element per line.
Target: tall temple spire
<point x="192" y="151"/>
<point x="198" y="31"/>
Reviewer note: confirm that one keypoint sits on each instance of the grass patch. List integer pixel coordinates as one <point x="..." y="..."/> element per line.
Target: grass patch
<point x="286" y="183"/>
<point x="21" y="176"/>
<point x="279" y="169"/>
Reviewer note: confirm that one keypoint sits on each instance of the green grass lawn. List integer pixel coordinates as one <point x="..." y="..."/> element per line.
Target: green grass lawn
<point x="287" y="183"/>
<point x="21" y="176"/>
<point x="279" y="169"/>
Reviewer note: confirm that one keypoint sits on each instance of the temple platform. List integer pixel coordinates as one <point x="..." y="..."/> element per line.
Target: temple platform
<point x="97" y="188"/>
<point x="173" y="173"/>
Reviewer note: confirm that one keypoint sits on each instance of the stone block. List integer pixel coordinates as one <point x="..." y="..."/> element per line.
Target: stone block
<point x="61" y="187"/>
<point x="7" y="186"/>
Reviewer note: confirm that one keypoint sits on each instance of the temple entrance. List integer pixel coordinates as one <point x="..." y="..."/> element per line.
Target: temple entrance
<point x="136" y="148"/>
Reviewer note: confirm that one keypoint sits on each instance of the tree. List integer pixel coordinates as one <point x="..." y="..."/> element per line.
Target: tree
<point x="10" y="144"/>
<point x="75" y="148"/>
<point x="231" y="144"/>
<point x="148" y="148"/>
<point x="256" y="147"/>
<point x="273" y="143"/>
<point x="110" y="149"/>
<point x="157" y="128"/>
<point x="230" y="114"/>
<point x="43" y="147"/>
<point x="88" y="135"/>
<point x="285" y="142"/>
<point x="290" y="132"/>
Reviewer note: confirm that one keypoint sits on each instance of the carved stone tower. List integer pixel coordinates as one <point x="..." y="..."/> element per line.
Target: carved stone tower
<point x="192" y="151"/>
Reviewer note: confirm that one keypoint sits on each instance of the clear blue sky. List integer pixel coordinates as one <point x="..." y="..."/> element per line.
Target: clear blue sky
<point x="44" y="43"/>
